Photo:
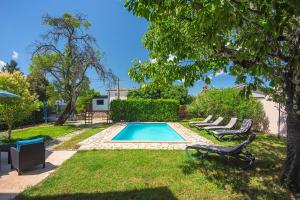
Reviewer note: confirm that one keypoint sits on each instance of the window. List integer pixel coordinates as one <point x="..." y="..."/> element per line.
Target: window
<point x="100" y="102"/>
<point x="116" y="94"/>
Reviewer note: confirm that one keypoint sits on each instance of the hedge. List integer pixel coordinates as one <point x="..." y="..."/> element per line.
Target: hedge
<point x="229" y="103"/>
<point x="144" y="110"/>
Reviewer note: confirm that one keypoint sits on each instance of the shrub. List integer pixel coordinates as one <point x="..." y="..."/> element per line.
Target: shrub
<point x="229" y="103"/>
<point x="144" y="110"/>
<point x="16" y="110"/>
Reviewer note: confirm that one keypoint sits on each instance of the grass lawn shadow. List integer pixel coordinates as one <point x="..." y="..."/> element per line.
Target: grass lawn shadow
<point x="260" y="182"/>
<point x="149" y="193"/>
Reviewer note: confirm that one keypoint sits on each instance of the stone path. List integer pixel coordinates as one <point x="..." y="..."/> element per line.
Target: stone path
<point x="103" y="140"/>
<point x="51" y="144"/>
<point x="11" y="184"/>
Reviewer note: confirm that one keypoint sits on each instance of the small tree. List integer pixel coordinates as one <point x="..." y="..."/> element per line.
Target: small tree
<point x="15" y="110"/>
<point x="38" y="85"/>
<point x="11" y="67"/>
<point x="85" y="99"/>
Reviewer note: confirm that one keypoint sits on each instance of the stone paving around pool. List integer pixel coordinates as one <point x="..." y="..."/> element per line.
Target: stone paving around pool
<point x="103" y="139"/>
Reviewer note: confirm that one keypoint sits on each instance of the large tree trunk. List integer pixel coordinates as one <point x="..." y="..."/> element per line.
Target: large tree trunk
<point x="65" y="115"/>
<point x="291" y="172"/>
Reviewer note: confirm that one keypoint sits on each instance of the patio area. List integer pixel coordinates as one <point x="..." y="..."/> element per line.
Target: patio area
<point x="11" y="184"/>
<point x="103" y="140"/>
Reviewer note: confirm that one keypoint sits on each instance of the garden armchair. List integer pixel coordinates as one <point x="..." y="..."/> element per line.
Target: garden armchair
<point x="28" y="154"/>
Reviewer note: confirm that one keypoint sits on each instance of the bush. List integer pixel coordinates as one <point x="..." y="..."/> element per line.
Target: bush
<point x="229" y="103"/>
<point x="144" y="110"/>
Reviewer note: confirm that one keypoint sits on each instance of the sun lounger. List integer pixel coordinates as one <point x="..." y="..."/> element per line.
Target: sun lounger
<point x="215" y="123"/>
<point x="230" y="125"/>
<point x="229" y="134"/>
<point x="206" y="120"/>
<point x="238" y="152"/>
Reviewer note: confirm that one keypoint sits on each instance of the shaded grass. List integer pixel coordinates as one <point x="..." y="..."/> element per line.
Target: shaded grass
<point x="46" y="131"/>
<point x="72" y="143"/>
<point x="165" y="174"/>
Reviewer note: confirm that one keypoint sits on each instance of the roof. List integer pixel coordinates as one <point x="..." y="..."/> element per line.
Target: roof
<point x="101" y="97"/>
<point x="256" y="93"/>
<point x="240" y="86"/>
<point x="116" y="89"/>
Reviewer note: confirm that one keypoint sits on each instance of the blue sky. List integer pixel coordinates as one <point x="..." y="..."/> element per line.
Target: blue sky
<point x="117" y="31"/>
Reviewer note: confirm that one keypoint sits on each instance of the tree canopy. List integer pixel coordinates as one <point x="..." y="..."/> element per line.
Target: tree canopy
<point x="149" y="91"/>
<point x="255" y="40"/>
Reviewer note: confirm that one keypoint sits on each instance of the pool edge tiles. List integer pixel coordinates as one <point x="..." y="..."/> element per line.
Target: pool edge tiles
<point x="102" y="140"/>
<point x="184" y="139"/>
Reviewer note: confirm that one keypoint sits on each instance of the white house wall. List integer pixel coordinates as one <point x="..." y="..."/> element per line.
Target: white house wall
<point x="114" y="95"/>
<point x="272" y="112"/>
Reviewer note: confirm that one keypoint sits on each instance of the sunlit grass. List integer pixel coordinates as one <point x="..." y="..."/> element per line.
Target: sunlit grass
<point x="46" y="131"/>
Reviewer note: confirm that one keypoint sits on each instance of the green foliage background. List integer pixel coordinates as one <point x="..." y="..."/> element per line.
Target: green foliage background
<point x="229" y="103"/>
<point x="144" y="110"/>
<point x="151" y="91"/>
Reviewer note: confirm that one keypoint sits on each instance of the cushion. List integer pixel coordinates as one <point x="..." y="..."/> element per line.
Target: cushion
<point x="26" y="142"/>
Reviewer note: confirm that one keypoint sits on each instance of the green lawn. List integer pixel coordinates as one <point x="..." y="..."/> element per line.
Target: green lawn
<point x="47" y="131"/>
<point x="164" y="174"/>
<point x="72" y="143"/>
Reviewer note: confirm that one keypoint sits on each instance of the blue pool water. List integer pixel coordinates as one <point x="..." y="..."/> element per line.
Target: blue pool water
<point x="148" y="132"/>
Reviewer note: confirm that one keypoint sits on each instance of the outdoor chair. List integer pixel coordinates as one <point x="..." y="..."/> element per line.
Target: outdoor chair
<point x="239" y="152"/>
<point x="206" y="120"/>
<point x="27" y="156"/>
<point x="230" y="125"/>
<point x="230" y="134"/>
<point x="215" y="123"/>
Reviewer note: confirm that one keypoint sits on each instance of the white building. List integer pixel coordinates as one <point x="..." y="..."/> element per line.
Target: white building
<point x="101" y="103"/>
<point x="274" y="112"/>
<point x="113" y="93"/>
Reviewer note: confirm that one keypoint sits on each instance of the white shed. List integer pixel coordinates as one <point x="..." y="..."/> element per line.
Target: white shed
<point x="100" y="103"/>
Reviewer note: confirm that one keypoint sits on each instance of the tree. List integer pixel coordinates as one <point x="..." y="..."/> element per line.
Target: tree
<point x="11" y="67"/>
<point x="256" y="41"/>
<point x="85" y="99"/>
<point x="150" y="91"/>
<point x="15" y="110"/>
<point x="38" y="85"/>
<point x="66" y="53"/>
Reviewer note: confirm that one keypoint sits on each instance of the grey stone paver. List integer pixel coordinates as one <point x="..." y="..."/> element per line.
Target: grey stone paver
<point x="103" y="139"/>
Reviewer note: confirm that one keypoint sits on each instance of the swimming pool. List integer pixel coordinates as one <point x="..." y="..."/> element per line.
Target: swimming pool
<point x="152" y="132"/>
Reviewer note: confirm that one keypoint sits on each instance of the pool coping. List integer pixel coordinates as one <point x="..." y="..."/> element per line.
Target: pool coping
<point x="186" y="139"/>
<point x="102" y="140"/>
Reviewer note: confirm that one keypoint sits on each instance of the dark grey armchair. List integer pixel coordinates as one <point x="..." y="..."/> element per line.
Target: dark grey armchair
<point x="28" y="156"/>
